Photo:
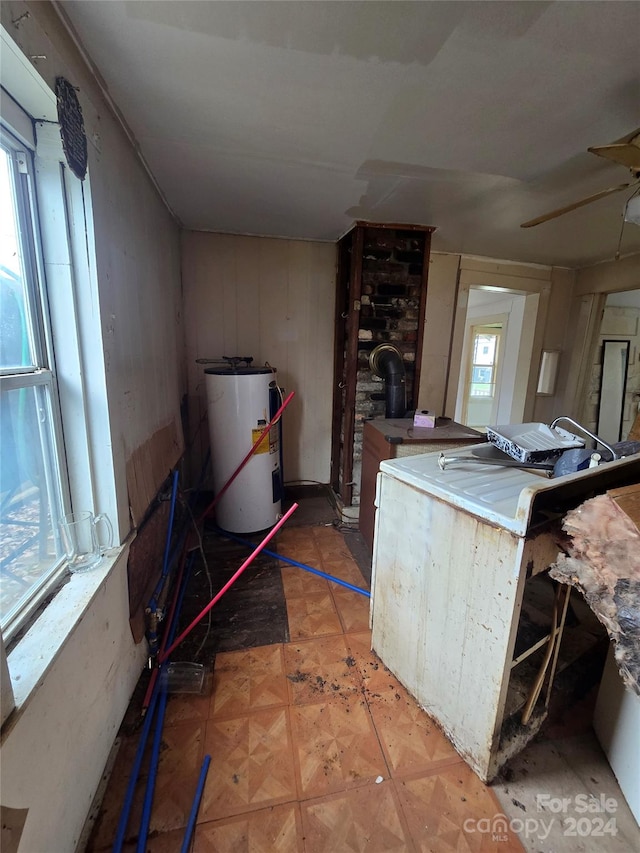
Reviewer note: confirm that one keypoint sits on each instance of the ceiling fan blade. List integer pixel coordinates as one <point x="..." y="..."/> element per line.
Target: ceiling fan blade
<point x="562" y="210"/>
<point x="625" y="151"/>
<point x="626" y="154"/>
<point x="630" y="137"/>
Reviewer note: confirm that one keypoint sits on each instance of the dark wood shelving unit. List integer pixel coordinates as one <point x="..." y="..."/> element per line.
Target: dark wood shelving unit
<point x="381" y="289"/>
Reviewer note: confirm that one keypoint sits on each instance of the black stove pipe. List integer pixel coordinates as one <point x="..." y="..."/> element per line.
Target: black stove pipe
<point x="386" y="361"/>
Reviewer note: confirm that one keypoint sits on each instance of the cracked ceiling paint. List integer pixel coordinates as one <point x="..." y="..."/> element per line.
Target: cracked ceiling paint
<point x="291" y="119"/>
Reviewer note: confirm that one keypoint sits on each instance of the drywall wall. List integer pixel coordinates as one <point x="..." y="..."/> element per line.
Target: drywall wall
<point x="272" y="300"/>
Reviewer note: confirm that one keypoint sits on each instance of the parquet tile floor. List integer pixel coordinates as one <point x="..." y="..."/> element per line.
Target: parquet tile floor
<point x="315" y="746"/>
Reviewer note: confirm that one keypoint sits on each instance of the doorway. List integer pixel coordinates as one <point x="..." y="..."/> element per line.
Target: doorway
<point x="614" y="396"/>
<point x="483" y="369"/>
<point x="496" y="357"/>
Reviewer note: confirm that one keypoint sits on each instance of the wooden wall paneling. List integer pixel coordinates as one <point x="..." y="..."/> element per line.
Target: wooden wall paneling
<point x="320" y="361"/>
<point x="190" y="349"/>
<point x="204" y="323"/>
<point x="261" y="295"/>
<point x="248" y="297"/>
<point x="207" y="296"/>
<point x="457" y="345"/>
<point x="273" y="275"/>
<point x="156" y="315"/>
<point x="303" y="300"/>
<point x="611" y="277"/>
<point x="536" y="351"/>
<point x="269" y="277"/>
<point x="124" y="350"/>
<point x="307" y="333"/>
<point x="559" y="317"/>
<point x="298" y="366"/>
<point x="230" y="296"/>
<point x="486" y="269"/>
<point x="438" y="331"/>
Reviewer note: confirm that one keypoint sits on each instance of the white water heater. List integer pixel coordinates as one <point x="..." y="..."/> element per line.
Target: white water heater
<point x="241" y="401"/>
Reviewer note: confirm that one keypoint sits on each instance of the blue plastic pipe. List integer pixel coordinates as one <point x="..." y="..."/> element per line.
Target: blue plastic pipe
<point x="302" y="566"/>
<point x="186" y="842"/>
<point x="145" y="820"/>
<point x="144" y="734"/>
<point x="133" y="778"/>
<point x="167" y="546"/>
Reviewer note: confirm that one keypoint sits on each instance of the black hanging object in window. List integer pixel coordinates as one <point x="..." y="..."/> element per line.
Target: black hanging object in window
<point x="74" y="139"/>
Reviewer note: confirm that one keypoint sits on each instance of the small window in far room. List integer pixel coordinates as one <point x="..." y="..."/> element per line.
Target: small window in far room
<point x="484" y="360"/>
<point x="483" y="368"/>
<point x="32" y="468"/>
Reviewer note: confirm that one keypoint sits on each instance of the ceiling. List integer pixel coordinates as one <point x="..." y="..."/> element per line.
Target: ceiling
<point x="293" y="119"/>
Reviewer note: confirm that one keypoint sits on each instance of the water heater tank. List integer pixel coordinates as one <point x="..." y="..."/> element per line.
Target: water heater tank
<point x="241" y="401"/>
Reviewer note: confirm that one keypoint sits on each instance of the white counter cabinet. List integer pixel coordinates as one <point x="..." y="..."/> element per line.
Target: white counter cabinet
<point x="453" y="552"/>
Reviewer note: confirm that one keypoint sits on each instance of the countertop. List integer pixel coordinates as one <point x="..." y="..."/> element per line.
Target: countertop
<point x="402" y="431"/>
<point x="503" y="496"/>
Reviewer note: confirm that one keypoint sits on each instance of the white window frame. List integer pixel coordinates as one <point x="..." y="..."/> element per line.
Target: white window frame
<point x="474" y="323"/>
<point x="70" y="270"/>
<point x="41" y="373"/>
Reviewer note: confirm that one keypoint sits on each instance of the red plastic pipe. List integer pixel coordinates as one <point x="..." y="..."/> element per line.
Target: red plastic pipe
<point x="162" y="656"/>
<point x="273" y="421"/>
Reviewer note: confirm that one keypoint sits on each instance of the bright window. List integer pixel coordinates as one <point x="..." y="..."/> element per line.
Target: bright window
<point x="32" y="468"/>
<point x="484" y="361"/>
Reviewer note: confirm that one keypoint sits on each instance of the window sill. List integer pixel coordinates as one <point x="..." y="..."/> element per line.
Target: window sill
<point x="34" y="655"/>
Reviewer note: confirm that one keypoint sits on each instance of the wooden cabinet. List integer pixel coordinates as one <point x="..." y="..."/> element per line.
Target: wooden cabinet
<point x="391" y="438"/>
<point x="381" y="290"/>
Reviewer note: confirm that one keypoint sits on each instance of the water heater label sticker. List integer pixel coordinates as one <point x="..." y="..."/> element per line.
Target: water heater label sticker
<point x="263" y="447"/>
